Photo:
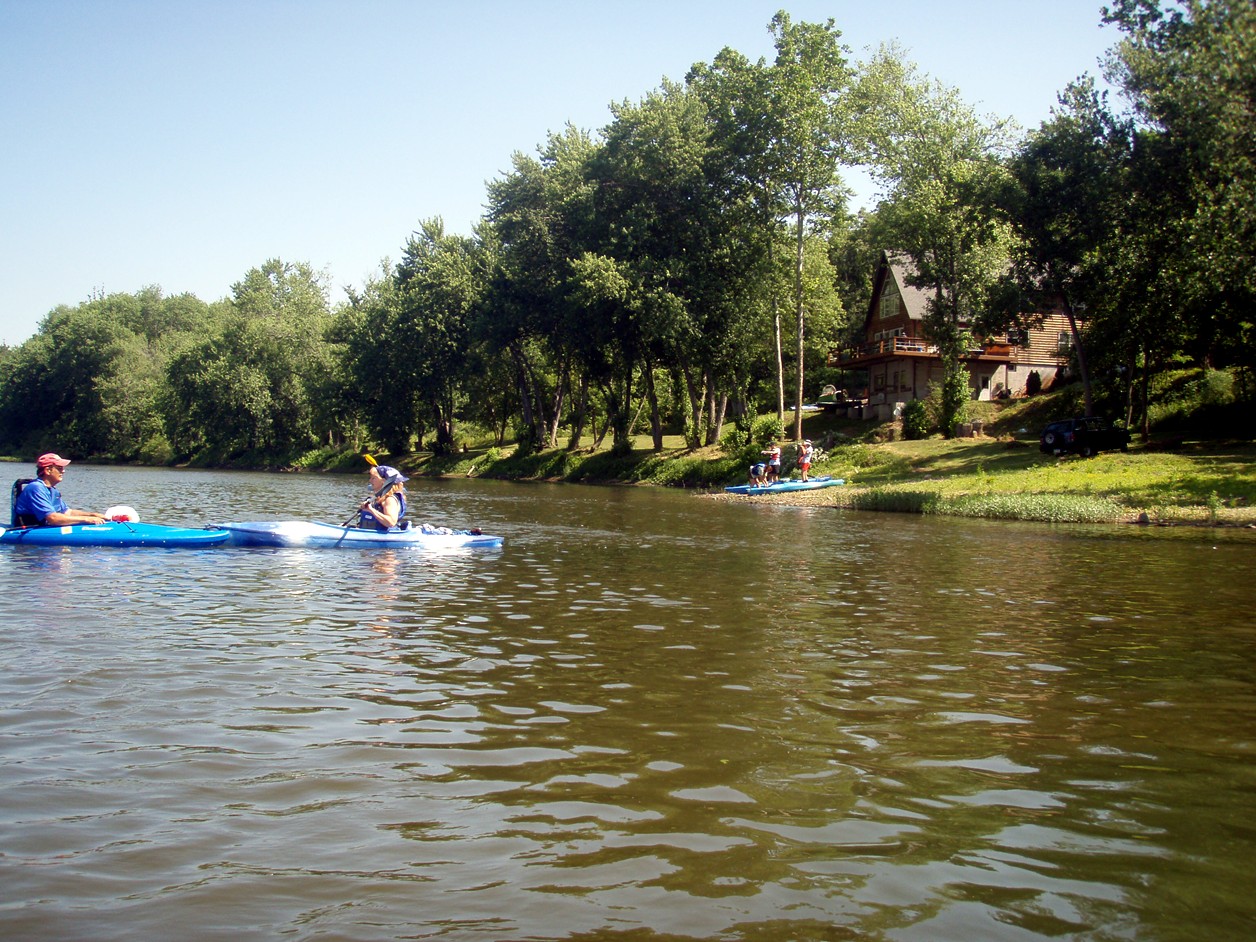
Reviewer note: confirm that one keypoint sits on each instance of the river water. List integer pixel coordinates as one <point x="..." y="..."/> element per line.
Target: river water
<point x="649" y="715"/>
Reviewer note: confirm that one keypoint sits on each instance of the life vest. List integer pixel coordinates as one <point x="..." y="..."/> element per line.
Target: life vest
<point x="366" y="521"/>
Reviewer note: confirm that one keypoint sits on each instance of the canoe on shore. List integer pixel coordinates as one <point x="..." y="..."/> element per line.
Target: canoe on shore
<point x="781" y="487"/>
<point x="114" y="534"/>
<point x="330" y="536"/>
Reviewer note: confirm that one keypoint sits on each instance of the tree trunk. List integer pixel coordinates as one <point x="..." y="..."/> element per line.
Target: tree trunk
<point x="1087" y="393"/>
<point x="694" y="436"/>
<point x="558" y="415"/>
<point x="720" y="414"/>
<point x="656" y="421"/>
<point x="620" y="402"/>
<point x="709" y="409"/>
<point x="538" y="392"/>
<point x="800" y="308"/>
<point x="525" y="398"/>
<point x="581" y="413"/>
<point x="1146" y="425"/>
<point x="776" y="332"/>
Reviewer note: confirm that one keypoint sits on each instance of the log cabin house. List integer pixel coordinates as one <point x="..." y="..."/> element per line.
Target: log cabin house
<point x="902" y="363"/>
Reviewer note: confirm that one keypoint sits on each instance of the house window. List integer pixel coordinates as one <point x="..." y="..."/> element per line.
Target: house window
<point x="889" y="300"/>
<point x="1064" y="344"/>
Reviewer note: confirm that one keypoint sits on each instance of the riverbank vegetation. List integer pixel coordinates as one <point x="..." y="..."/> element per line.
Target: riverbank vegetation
<point x="1191" y="474"/>
<point x="661" y="284"/>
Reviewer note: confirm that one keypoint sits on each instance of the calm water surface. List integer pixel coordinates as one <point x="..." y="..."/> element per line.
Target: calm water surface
<point x="649" y="715"/>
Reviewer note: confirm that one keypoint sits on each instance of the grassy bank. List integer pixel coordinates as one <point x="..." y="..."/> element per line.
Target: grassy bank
<point x="1001" y="475"/>
<point x="1009" y="479"/>
<point x="1201" y="483"/>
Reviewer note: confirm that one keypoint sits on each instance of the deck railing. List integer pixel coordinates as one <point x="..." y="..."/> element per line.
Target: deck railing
<point x="890" y="346"/>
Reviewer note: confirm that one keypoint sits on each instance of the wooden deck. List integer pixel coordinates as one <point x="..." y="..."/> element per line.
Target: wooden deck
<point x="916" y="347"/>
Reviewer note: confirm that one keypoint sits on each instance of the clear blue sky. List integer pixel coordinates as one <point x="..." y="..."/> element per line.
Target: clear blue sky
<point x="180" y="143"/>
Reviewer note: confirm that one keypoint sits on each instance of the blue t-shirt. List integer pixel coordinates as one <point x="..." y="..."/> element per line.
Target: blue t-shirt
<point x="38" y="500"/>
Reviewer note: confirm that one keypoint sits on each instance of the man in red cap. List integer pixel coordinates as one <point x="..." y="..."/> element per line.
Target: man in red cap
<point x="41" y="505"/>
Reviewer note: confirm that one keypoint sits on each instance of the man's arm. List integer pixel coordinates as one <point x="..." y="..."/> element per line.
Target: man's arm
<point x="55" y="519"/>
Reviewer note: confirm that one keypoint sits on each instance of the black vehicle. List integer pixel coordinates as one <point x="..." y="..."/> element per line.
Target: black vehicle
<point x="1083" y="436"/>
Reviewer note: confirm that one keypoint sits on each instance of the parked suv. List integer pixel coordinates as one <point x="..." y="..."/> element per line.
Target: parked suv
<point x="1083" y="436"/>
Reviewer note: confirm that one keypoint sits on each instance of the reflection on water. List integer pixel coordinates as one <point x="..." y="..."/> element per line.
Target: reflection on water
<point x="647" y="715"/>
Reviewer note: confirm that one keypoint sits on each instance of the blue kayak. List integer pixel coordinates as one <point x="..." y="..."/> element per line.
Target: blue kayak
<point x="113" y="534"/>
<point x="782" y="487"/>
<point x="330" y="536"/>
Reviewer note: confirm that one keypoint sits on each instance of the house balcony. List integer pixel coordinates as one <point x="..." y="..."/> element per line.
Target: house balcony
<point x="891" y="348"/>
<point x="884" y="349"/>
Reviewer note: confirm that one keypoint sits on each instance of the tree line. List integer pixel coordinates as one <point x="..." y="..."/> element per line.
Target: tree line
<point x="695" y="261"/>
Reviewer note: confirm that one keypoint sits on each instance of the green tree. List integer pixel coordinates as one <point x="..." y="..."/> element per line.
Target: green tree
<point x="540" y="215"/>
<point x="244" y="389"/>
<point x="91" y="381"/>
<point x="781" y="133"/>
<point x="1066" y="202"/>
<point x="407" y="342"/>
<point x="369" y="349"/>
<point x="811" y="137"/>
<point x="657" y="244"/>
<point x="941" y="166"/>
<point x="439" y="283"/>
<point x="1190" y="70"/>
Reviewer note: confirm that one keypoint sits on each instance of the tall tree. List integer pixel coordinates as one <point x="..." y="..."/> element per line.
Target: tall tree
<point x="941" y="166"/>
<point x="666" y="219"/>
<point x="740" y="156"/>
<point x="812" y="122"/>
<point x="407" y="342"/>
<point x="540" y="215"/>
<point x="439" y="283"/>
<point x="1066" y="204"/>
<point x="245" y="389"/>
<point x="1190" y="69"/>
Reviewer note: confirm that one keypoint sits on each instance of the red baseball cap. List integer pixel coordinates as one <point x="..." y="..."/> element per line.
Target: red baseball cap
<point x="49" y="459"/>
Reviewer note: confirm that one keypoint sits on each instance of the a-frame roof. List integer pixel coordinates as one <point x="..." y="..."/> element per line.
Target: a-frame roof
<point x="897" y="268"/>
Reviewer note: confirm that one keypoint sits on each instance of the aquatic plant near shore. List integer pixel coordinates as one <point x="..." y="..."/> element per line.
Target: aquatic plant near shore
<point x="1041" y="508"/>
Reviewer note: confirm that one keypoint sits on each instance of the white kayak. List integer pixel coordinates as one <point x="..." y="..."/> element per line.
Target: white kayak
<point x="331" y="536"/>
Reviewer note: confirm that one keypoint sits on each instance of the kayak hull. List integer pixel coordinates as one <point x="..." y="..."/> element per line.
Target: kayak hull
<point x="784" y="487"/>
<point x="330" y="536"/>
<point x="114" y="534"/>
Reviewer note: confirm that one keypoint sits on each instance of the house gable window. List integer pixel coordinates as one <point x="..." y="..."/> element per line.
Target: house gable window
<point x="889" y="300"/>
